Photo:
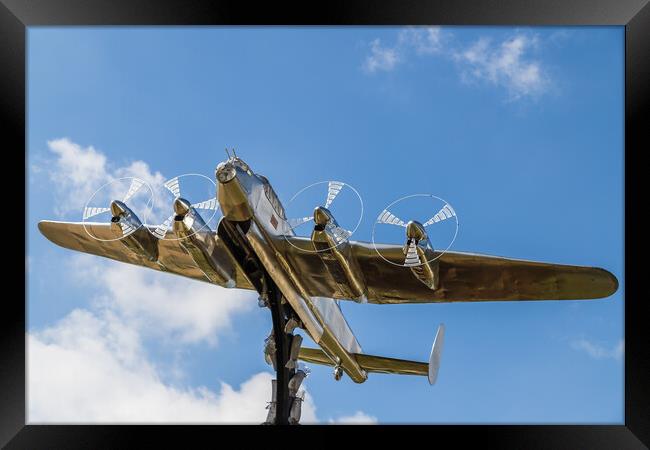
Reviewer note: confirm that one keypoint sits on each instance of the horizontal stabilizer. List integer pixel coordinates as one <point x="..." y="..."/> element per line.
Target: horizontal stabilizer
<point x="381" y="364"/>
<point x="369" y="363"/>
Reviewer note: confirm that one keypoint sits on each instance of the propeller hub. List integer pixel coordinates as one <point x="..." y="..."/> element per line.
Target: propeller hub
<point x="118" y="208"/>
<point x="181" y="206"/>
<point x="415" y="230"/>
<point x="322" y="216"/>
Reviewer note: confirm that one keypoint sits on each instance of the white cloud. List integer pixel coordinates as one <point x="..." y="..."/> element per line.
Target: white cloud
<point x="78" y="172"/>
<point x="505" y="64"/>
<point x="358" y="418"/>
<point x="76" y="165"/>
<point x="91" y="368"/>
<point x="425" y="41"/>
<point x="597" y="351"/>
<point x="155" y="303"/>
<point x="381" y="58"/>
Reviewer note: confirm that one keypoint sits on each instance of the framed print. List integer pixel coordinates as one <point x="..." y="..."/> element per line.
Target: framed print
<point x="311" y="182"/>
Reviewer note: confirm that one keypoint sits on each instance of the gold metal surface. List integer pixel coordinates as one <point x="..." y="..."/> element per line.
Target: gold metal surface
<point x="307" y="279"/>
<point x="338" y="261"/>
<point x="233" y="200"/>
<point x="200" y="243"/>
<point x="427" y="270"/>
<point x="461" y="277"/>
<point x="173" y="258"/>
<point x="346" y="359"/>
<point x="369" y="363"/>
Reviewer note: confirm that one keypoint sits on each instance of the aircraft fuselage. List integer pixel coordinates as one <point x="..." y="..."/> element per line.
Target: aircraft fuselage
<point x="250" y="206"/>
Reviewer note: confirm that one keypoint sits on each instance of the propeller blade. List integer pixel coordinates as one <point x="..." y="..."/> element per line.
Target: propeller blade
<point x="90" y="211"/>
<point x="293" y="223"/>
<point x="390" y="219"/>
<point x="173" y="186"/>
<point x="339" y="234"/>
<point x="126" y="228"/>
<point x="333" y="189"/>
<point x="208" y="204"/>
<point x="412" y="257"/>
<point x="136" y="184"/>
<point x="445" y="213"/>
<point x="161" y="230"/>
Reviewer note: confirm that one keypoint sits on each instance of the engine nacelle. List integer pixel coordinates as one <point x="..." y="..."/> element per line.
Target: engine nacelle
<point x="200" y="243"/>
<point x="418" y="257"/>
<point x="141" y="241"/>
<point x="336" y="254"/>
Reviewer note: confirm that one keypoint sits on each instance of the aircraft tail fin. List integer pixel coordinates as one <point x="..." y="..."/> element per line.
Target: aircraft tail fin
<point x="436" y="354"/>
<point x="382" y="364"/>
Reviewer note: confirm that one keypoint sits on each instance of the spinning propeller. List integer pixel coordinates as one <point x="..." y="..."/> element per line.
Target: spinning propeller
<point x="324" y="217"/>
<point x="418" y="233"/>
<point x="182" y="207"/>
<point x="122" y="219"/>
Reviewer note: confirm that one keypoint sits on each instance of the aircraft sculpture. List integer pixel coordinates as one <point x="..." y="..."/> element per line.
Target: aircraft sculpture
<point x="301" y="279"/>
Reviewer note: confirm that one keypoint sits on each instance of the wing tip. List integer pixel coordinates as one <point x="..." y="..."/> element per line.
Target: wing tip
<point x="48" y="229"/>
<point x="610" y="282"/>
<point x="44" y="226"/>
<point x="595" y="283"/>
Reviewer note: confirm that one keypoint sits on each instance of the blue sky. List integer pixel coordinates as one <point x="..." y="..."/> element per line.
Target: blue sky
<point x="520" y="129"/>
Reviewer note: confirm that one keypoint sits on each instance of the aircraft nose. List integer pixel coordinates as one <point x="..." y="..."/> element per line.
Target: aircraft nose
<point x="225" y="172"/>
<point x="321" y="216"/>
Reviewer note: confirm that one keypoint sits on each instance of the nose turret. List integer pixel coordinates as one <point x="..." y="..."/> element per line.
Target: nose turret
<point x="225" y="171"/>
<point x="231" y="194"/>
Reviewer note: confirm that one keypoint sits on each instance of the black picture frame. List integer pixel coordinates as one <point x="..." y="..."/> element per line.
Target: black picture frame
<point x="17" y="15"/>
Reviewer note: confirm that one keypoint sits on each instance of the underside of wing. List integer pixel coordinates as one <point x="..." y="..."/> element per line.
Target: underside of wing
<point x="475" y="277"/>
<point x="171" y="256"/>
<point x="460" y="277"/>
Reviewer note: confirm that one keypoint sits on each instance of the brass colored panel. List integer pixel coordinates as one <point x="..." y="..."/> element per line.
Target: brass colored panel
<point x="462" y="277"/>
<point x="173" y="258"/>
<point x="369" y="363"/>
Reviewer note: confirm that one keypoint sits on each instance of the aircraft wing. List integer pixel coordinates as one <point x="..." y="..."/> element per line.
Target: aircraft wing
<point x="462" y="277"/>
<point x="173" y="258"/>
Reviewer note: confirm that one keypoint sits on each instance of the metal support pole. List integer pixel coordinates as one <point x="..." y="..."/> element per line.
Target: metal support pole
<point x="282" y="349"/>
